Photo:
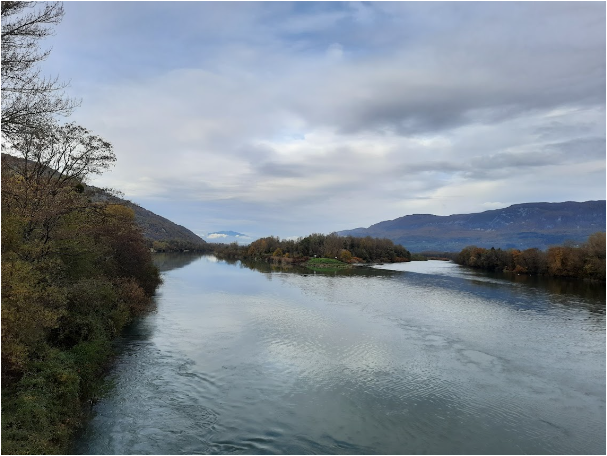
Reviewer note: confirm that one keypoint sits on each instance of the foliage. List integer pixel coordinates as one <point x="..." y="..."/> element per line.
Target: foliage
<point x="347" y="249"/>
<point x="586" y="261"/>
<point x="74" y="271"/>
<point x="74" y="274"/>
<point x="323" y="261"/>
<point x="179" y="245"/>
<point x="326" y="264"/>
<point x="418" y="257"/>
<point x="162" y="234"/>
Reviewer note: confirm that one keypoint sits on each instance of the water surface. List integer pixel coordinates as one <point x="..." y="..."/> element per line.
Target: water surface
<point x="422" y="357"/>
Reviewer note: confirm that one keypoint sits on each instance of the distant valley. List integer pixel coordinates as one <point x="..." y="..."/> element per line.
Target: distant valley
<point x="518" y="226"/>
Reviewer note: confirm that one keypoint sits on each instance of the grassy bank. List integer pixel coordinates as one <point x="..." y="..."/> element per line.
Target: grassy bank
<point x="326" y="264"/>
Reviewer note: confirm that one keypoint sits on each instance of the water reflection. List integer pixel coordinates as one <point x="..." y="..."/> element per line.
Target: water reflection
<point x="592" y="291"/>
<point x="520" y="291"/>
<point x="355" y="271"/>
<point x="174" y="260"/>
<point x="354" y="361"/>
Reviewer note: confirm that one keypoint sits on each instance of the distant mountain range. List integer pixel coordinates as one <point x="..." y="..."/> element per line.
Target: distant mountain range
<point x="520" y="226"/>
<point x="227" y="237"/>
<point x="224" y="234"/>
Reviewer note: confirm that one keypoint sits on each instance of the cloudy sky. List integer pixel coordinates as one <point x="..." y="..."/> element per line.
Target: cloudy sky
<point x="291" y="118"/>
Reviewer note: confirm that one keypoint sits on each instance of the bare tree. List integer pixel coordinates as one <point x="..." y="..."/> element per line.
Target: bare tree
<point x="29" y="100"/>
<point x="61" y="154"/>
<point x="42" y="175"/>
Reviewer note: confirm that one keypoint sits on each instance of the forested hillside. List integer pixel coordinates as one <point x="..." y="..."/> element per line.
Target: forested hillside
<point x="520" y="226"/>
<point x="161" y="234"/>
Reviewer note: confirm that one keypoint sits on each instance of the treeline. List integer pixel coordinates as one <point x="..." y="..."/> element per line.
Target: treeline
<point x="348" y="249"/>
<point x="179" y="245"/>
<point x="74" y="272"/>
<point x="586" y="261"/>
<point x="433" y="255"/>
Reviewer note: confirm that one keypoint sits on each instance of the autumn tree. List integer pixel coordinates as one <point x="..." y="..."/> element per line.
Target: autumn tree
<point x="345" y="255"/>
<point x="568" y="260"/>
<point x="594" y="256"/>
<point x="44" y="182"/>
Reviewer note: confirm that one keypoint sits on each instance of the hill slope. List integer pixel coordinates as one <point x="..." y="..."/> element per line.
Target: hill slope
<point x="154" y="226"/>
<point x="519" y="226"/>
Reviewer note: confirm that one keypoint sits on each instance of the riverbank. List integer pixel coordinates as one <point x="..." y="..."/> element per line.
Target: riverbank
<point x="63" y="304"/>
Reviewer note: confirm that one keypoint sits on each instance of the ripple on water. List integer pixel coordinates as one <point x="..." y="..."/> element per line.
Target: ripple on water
<point x="410" y="363"/>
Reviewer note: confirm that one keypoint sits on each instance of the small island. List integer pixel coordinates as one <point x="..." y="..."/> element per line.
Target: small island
<point x="317" y="251"/>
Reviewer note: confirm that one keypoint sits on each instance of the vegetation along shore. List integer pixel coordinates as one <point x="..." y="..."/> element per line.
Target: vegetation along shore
<point x="75" y="270"/>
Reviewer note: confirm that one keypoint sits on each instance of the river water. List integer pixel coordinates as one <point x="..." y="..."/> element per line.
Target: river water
<point x="421" y="357"/>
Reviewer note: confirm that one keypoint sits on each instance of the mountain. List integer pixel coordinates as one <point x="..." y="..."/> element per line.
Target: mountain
<point x="154" y="227"/>
<point x="227" y="236"/>
<point x="520" y="226"/>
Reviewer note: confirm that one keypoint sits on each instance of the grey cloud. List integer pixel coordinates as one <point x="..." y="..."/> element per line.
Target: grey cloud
<point x="240" y="113"/>
<point x="476" y="65"/>
<point x="502" y="164"/>
<point x="557" y="128"/>
<point x="254" y="153"/>
<point x="481" y="63"/>
<point x="280" y="170"/>
<point x="573" y="150"/>
<point x="362" y="99"/>
<point x="432" y="166"/>
<point x="581" y="148"/>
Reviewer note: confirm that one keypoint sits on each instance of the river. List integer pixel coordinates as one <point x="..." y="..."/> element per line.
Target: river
<point x="413" y="358"/>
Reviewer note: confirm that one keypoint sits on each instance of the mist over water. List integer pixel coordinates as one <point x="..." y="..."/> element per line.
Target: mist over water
<point x="412" y="358"/>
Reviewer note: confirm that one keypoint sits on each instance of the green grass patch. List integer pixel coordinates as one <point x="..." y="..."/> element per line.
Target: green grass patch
<point x="328" y="269"/>
<point x="317" y="261"/>
<point x="326" y="264"/>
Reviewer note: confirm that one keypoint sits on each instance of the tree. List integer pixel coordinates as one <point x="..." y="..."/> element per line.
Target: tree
<point x="44" y="183"/>
<point x="332" y="245"/>
<point x="345" y="255"/>
<point x="61" y="154"/>
<point x="594" y="256"/>
<point x="29" y="100"/>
